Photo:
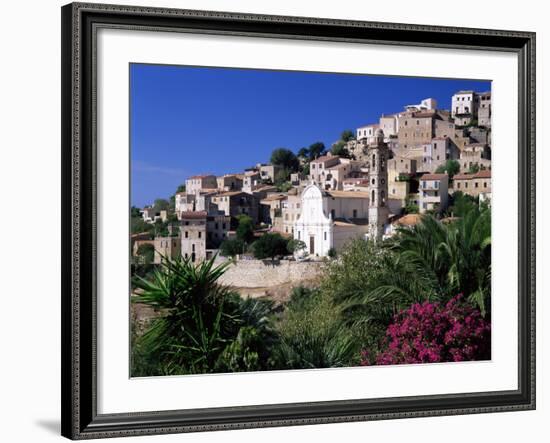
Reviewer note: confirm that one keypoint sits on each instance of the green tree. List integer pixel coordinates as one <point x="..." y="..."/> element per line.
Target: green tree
<point x="285" y="158"/>
<point x="245" y="229"/>
<point x="455" y="256"/>
<point x="316" y="150"/>
<point x="135" y="212"/>
<point x="180" y="188"/>
<point x="295" y="245"/>
<point x="474" y="168"/>
<point x="303" y="153"/>
<point x="450" y="167"/>
<point x="161" y="228"/>
<point x="347" y="135"/>
<point x="232" y="247"/>
<point x="137" y="226"/>
<point x="462" y="204"/>
<point x="269" y="245"/>
<point x="339" y="148"/>
<point x="145" y="254"/>
<point x="282" y="176"/>
<point x="161" y="204"/>
<point x="410" y="207"/>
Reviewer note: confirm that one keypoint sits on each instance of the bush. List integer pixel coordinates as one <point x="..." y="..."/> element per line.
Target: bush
<point x="312" y="335"/>
<point x="432" y="333"/>
<point x="269" y="246"/>
<point x="145" y="254"/>
<point x="232" y="247"/>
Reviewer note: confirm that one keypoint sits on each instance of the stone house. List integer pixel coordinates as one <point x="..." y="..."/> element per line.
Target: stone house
<point x="184" y="202"/>
<point x="329" y="171"/>
<point x="484" y="112"/>
<point x="229" y="182"/>
<point x="434" y="192"/>
<point x="473" y="184"/>
<point x="236" y="203"/>
<point x="273" y="203"/>
<point x="438" y="152"/>
<point x="356" y="184"/>
<point x="389" y="124"/>
<point x="268" y="171"/>
<point x="251" y="181"/>
<point x="169" y="247"/>
<point x="366" y="131"/>
<point x="201" y="234"/>
<point x="196" y="183"/>
<point x="464" y="107"/>
<point x="475" y="153"/>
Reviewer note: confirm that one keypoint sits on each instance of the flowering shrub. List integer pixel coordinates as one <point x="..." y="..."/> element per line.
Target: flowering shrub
<point x="432" y="332"/>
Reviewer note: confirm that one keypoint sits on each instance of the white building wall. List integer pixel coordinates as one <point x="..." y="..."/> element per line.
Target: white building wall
<point x="313" y="226"/>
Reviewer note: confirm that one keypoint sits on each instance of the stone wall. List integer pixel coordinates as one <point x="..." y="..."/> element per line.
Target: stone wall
<point x="265" y="274"/>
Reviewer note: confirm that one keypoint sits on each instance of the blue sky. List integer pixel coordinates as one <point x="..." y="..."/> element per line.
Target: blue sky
<point x="194" y="120"/>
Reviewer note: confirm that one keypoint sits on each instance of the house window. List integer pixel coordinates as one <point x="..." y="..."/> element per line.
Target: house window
<point x="193" y="247"/>
<point x="333" y="213"/>
<point x="466" y="185"/>
<point x="355" y="213"/>
<point x="458" y="185"/>
<point x="200" y="234"/>
<point x="186" y="234"/>
<point x="436" y="193"/>
<point x="325" y="235"/>
<point x="476" y="184"/>
<point x="485" y="184"/>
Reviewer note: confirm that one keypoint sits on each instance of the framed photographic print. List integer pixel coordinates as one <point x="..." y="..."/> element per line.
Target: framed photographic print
<point x="273" y="221"/>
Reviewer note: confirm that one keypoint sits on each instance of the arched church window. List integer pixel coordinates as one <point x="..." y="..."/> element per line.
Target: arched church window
<point x="373" y="198"/>
<point x="374" y="160"/>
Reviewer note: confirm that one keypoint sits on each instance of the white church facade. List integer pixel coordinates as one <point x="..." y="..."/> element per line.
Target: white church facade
<point x="329" y="219"/>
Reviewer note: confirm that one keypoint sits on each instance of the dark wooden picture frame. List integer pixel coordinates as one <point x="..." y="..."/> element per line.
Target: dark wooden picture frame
<point x="79" y="171"/>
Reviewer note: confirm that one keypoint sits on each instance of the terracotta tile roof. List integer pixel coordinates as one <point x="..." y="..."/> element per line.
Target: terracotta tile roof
<point x="265" y="188"/>
<point x="325" y="158"/>
<point x="350" y="223"/>
<point x="194" y="215"/>
<point x="275" y="197"/>
<point x="484" y="173"/>
<point x="230" y="193"/>
<point x="424" y="114"/>
<point x="433" y="177"/>
<point x="357" y="181"/>
<point x="348" y="194"/>
<point x="463" y="176"/>
<point x="408" y="220"/>
<point x="194" y="177"/>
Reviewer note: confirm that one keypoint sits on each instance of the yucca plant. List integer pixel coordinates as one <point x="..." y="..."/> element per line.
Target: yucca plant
<point x="197" y="315"/>
<point x="203" y="326"/>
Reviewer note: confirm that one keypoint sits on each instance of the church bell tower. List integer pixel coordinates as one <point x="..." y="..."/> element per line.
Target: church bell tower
<point x="378" y="152"/>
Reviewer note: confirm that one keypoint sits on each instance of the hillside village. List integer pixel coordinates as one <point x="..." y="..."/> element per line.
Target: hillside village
<point x="367" y="184"/>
